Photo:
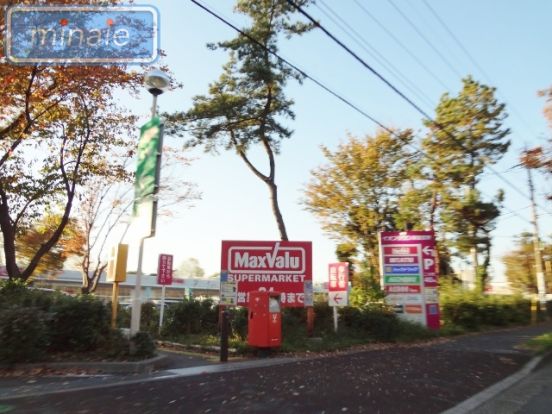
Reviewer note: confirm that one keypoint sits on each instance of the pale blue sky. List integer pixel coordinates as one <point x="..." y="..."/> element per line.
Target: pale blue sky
<point x="510" y="40"/>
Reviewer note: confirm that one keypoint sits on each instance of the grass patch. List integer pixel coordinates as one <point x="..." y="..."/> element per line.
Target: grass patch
<point x="541" y="344"/>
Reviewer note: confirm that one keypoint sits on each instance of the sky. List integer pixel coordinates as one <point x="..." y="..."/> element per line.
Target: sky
<point x="509" y="41"/>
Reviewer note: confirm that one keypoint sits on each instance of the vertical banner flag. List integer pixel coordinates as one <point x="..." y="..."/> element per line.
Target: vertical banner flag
<point x="409" y="275"/>
<point x="148" y="170"/>
<point x="274" y="266"/>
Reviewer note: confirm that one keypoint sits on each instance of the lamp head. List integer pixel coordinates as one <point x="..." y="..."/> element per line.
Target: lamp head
<point x="156" y="82"/>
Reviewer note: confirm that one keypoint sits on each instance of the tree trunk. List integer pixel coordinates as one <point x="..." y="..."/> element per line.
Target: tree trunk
<point x="475" y="264"/>
<point x="276" y="210"/>
<point x="8" y="232"/>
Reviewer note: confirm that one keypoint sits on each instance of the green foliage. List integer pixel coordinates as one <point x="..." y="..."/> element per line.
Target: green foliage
<point x="35" y="323"/>
<point x="247" y="105"/>
<point x="375" y="322"/>
<point x="149" y="318"/>
<point x="471" y="310"/>
<point x="24" y="334"/>
<point x="142" y="345"/>
<point x="542" y="343"/>
<point x="79" y="324"/>
<point x="238" y="322"/>
<point x="468" y="135"/>
<point x="191" y="316"/>
<point x="355" y="194"/>
<point x="520" y="264"/>
<point x="115" y="345"/>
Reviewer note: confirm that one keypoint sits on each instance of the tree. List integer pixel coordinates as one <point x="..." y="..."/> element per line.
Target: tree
<point x="520" y="264"/>
<point x="357" y="193"/>
<point x="467" y="136"/>
<point x="246" y="105"/>
<point x="57" y="127"/>
<point x="190" y="268"/>
<point x="105" y="201"/>
<point x="70" y="243"/>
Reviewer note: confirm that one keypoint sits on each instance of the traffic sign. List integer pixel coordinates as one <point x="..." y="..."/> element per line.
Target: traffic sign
<point x="338" y="298"/>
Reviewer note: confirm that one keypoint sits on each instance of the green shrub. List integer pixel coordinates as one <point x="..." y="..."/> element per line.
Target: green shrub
<point x="376" y="322"/>
<point x="114" y="345"/>
<point x="15" y="293"/>
<point x="149" y="318"/>
<point x="238" y="322"/>
<point x="471" y="310"/>
<point x="142" y="345"/>
<point x="323" y="319"/>
<point x="23" y="334"/>
<point x="191" y="317"/>
<point x="79" y="324"/>
<point x="411" y="331"/>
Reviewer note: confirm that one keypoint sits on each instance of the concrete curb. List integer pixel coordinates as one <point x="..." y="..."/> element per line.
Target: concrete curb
<point x="134" y="367"/>
<point x="164" y="375"/>
<point x="489" y="393"/>
<point x="191" y="347"/>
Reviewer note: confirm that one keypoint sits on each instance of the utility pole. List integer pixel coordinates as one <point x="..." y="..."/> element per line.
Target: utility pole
<point x="541" y="286"/>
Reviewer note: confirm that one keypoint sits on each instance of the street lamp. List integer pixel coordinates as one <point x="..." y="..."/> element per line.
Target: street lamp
<point x="156" y="82"/>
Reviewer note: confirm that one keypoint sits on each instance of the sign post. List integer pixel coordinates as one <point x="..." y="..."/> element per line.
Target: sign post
<point x="338" y="292"/>
<point x="409" y="275"/>
<point x="164" y="278"/>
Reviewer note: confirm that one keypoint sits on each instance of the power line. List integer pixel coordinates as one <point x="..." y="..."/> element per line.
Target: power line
<point x="398" y="91"/>
<point x="320" y="84"/>
<point x="402" y="45"/>
<point x="304" y="74"/>
<point x="474" y="62"/>
<point x="372" y="51"/>
<point x="426" y="40"/>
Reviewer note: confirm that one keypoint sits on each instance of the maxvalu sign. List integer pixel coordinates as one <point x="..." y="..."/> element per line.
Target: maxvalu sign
<point x="277" y="266"/>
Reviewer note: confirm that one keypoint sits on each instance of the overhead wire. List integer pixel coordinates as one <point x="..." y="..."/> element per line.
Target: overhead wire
<point x="320" y="84"/>
<point x="425" y="39"/>
<point x="372" y="51"/>
<point x="475" y="63"/>
<point x="398" y="91"/>
<point x="401" y="45"/>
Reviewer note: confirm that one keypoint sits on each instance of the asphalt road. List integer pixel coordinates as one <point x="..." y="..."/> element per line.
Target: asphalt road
<point x="426" y="379"/>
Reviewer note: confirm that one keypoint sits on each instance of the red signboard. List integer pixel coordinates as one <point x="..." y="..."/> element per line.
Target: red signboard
<point x="408" y="254"/>
<point x="339" y="276"/>
<point x="277" y="266"/>
<point x="165" y="269"/>
<point x="403" y="289"/>
<point x="400" y="250"/>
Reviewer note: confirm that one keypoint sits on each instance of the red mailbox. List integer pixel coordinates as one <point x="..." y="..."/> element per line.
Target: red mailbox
<point x="264" y="320"/>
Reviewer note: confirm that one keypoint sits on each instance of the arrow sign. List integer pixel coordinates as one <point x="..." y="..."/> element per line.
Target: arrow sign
<point x="339" y="298"/>
<point x="428" y="251"/>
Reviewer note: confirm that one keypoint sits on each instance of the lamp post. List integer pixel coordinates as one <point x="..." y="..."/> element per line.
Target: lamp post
<point x="156" y="82"/>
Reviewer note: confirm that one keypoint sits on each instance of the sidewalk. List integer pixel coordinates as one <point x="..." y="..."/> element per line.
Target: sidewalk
<point x="532" y="394"/>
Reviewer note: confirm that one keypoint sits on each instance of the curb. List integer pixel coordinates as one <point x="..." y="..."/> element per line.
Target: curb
<point x="489" y="393"/>
<point x="164" y="375"/>
<point x="191" y="347"/>
<point x="138" y="367"/>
